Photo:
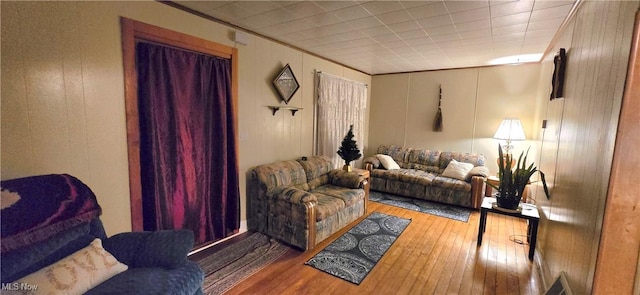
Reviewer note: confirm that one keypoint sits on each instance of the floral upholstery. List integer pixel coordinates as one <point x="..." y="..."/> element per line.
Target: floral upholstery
<point x="423" y="158"/>
<point x="327" y="206"/>
<point x="420" y="176"/>
<point x="406" y="175"/>
<point x="303" y="202"/>
<point x="348" y="196"/>
<point x="315" y="167"/>
<point x="399" y="154"/>
<point x="291" y="194"/>
<point x="282" y="173"/>
<point x="475" y="159"/>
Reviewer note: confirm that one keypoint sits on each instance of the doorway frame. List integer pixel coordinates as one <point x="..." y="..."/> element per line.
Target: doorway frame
<point x="132" y="32"/>
<point x="618" y="262"/>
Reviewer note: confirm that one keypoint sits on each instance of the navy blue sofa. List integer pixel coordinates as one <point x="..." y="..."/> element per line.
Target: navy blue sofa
<point x="157" y="261"/>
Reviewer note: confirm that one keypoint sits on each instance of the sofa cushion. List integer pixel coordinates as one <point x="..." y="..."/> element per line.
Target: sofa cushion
<point x="387" y="162"/>
<point x="398" y="153"/>
<point x="451" y="183"/>
<point x="76" y="273"/>
<point x="433" y="169"/>
<point x="457" y="170"/>
<point x="316" y="166"/>
<point x="348" y="195"/>
<point x="406" y="175"/>
<point x="161" y="248"/>
<point x="475" y="159"/>
<point x="327" y="206"/>
<point x="317" y="170"/>
<point x="423" y="158"/>
<point x="186" y="279"/>
<point x="281" y="174"/>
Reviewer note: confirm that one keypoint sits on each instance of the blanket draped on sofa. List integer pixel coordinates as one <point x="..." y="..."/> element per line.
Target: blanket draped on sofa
<point x="23" y="223"/>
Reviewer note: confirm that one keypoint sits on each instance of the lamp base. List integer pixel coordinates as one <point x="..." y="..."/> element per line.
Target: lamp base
<point x="505" y="157"/>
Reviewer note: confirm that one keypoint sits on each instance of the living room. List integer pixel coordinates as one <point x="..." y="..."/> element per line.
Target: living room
<point x="63" y="110"/>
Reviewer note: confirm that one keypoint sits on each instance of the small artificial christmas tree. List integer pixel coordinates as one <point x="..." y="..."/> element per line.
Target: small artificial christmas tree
<point x="349" y="151"/>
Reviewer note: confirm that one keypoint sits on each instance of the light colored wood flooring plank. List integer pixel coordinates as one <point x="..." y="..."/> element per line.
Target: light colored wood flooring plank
<point x="434" y="255"/>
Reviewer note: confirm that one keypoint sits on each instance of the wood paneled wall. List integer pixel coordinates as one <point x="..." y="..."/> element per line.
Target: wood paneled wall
<point x="577" y="147"/>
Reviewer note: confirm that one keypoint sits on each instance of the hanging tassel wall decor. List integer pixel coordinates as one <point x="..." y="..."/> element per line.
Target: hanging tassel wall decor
<point x="437" y="123"/>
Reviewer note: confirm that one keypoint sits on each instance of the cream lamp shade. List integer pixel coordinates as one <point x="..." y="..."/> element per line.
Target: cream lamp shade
<point x="510" y="130"/>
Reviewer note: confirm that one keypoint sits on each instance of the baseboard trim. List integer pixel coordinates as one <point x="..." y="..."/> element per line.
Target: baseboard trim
<point x="543" y="268"/>
<point x="241" y="230"/>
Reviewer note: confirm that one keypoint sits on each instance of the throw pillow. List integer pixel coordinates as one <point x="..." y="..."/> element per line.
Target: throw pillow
<point x="76" y="273"/>
<point x="457" y="170"/>
<point x="387" y="162"/>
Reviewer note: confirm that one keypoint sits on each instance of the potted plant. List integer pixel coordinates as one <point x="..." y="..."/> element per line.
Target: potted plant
<point x="513" y="182"/>
<point x="349" y="151"/>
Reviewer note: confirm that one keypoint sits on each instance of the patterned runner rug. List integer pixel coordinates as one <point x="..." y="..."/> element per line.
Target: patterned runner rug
<point x="353" y="255"/>
<point x="433" y="208"/>
<point x="226" y="268"/>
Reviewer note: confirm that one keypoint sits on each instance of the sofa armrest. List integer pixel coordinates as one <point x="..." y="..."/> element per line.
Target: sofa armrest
<point x="477" y="191"/>
<point x="163" y="248"/>
<point x="371" y="163"/>
<point x="481" y="171"/>
<point x="291" y="194"/>
<point x="347" y="179"/>
<point x="292" y="216"/>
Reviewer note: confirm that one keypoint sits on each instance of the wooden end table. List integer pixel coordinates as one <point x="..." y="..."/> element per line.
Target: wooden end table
<point x="529" y="212"/>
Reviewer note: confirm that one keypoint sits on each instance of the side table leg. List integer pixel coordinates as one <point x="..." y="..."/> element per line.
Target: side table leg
<point x="481" y="225"/>
<point x="533" y="223"/>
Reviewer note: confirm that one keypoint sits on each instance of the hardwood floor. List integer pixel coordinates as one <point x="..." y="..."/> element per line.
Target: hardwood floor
<point x="434" y="255"/>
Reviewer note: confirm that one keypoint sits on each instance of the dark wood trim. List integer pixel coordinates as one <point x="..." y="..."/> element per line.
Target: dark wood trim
<point x="453" y="69"/>
<point x="311" y="220"/>
<point x="133" y="128"/>
<point x="234" y="101"/>
<point x="132" y="32"/>
<point x="617" y="262"/>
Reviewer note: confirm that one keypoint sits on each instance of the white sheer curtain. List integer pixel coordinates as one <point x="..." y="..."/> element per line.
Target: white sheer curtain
<point x="341" y="103"/>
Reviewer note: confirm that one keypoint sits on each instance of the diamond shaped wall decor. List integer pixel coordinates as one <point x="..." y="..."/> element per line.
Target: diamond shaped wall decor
<point x="286" y="84"/>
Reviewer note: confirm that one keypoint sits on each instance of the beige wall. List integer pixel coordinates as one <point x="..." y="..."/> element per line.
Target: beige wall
<point x="63" y="94"/>
<point x="577" y="146"/>
<point x="63" y="109"/>
<point x="474" y="102"/>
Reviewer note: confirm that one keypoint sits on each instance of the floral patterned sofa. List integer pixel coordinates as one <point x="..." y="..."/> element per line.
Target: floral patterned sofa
<point x="420" y="175"/>
<point x="303" y="202"/>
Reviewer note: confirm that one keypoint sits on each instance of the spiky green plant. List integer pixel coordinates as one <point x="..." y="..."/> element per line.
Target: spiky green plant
<point x="513" y="182"/>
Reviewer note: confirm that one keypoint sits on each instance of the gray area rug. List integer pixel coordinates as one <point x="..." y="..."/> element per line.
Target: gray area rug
<point x="353" y="255"/>
<point x="433" y="208"/>
<point x="226" y="268"/>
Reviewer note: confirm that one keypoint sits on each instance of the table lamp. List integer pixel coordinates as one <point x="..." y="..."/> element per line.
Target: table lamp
<point x="509" y="130"/>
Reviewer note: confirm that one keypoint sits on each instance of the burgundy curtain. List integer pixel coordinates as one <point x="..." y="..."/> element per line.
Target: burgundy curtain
<point x="188" y="160"/>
